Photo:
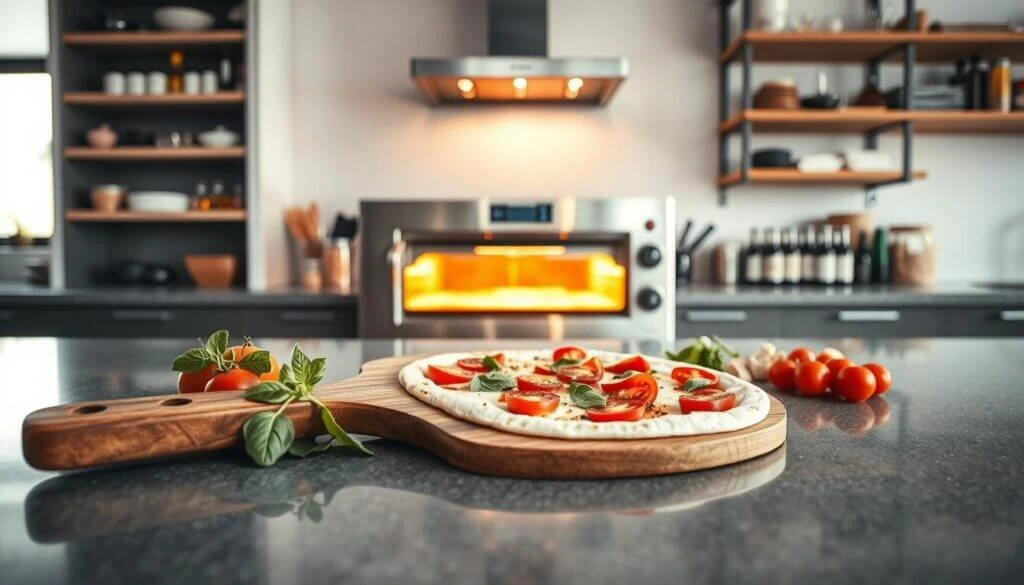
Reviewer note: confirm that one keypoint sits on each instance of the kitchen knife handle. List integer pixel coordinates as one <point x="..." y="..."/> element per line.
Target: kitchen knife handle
<point x="395" y="256"/>
<point x="868" y="316"/>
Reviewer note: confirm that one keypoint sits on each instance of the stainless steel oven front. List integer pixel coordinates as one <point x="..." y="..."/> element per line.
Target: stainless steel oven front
<point x="562" y="268"/>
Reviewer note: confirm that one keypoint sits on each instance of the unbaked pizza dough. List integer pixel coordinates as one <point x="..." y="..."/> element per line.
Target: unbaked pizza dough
<point x="569" y="421"/>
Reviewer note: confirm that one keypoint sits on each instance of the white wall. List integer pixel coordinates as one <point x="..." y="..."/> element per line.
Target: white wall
<point x="26" y="31"/>
<point x="361" y="131"/>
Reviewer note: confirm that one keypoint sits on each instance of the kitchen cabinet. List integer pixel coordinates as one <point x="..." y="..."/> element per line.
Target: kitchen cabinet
<point x="987" y="322"/>
<point x="729" y="322"/>
<point x="863" y="322"/>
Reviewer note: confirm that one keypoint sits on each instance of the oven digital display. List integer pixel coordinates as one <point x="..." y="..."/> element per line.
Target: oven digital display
<point x="540" y="213"/>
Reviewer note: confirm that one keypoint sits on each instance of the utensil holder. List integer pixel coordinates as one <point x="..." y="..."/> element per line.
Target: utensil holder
<point x="684" y="265"/>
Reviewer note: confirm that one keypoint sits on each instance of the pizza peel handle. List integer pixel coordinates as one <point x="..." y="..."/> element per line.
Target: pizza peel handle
<point x="88" y="434"/>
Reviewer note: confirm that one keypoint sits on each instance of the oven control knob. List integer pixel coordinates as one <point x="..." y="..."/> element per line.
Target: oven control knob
<point x="649" y="256"/>
<point x="648" y="299"/>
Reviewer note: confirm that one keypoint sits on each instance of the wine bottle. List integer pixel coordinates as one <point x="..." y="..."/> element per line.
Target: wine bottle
<point x="844" y="256"/>
<point x="808" y="253"/>
<point x="773" y="261"/>
<point x="752" y="259"/>
<point x="792" y="254"/>
<point x="863" y="267"/>
<point x="825" y="257"/>
<point x="880" y="257"/>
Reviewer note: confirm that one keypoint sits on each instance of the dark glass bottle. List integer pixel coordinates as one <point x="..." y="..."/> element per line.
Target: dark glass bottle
<point x="844" y="255"/>
<point x="863" y="261"/>
<point x="808" y="252"/>
<point x="773" y="261"/>
<point x="825" y="257"/>
<point x="792" y="255"/>
<point x="752" y="258"/>
<point x="880" y="257"/>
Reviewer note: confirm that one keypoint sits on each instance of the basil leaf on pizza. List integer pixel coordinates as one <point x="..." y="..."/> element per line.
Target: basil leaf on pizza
<point x="585" y="396"/>
<point x="490" y="363"/>
<point x="695" y="383"/>
<point x="491" y="382"/>
<point x="564" y="362"/>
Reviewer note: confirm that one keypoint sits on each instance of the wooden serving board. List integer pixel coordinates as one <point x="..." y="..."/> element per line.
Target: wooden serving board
<point x="87" y="434"/>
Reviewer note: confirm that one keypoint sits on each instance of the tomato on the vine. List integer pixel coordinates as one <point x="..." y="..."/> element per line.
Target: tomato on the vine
<point x="635" y="363"/>
<point x="237" y="352"/>
<point x="189" y="382"/>
<point x="633" y="388"/>
<point x="233" y="379"/>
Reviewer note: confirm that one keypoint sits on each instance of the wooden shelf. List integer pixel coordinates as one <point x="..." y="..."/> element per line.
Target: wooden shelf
<point x="855" y="120"/>
<point x="862" y="46"/>
<point x="90" y="215"/>
<point x="795" y="177"/>
<point x="153" y="38"/>
<point x="151" y="153"/>
<point x="100" y="99"/>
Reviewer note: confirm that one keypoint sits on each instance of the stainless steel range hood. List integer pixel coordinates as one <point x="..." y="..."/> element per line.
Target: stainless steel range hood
<point x="518" y="68"/>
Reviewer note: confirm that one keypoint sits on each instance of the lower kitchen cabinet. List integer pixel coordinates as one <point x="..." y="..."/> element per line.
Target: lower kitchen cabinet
<point x="988" y="322"/>
<point x="729" y="322"/>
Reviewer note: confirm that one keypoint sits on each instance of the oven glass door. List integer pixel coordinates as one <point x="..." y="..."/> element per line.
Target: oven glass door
<point x="523" y="274"/>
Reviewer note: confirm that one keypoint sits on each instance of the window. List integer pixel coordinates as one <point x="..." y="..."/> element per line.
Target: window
<point x="26" y="162"/>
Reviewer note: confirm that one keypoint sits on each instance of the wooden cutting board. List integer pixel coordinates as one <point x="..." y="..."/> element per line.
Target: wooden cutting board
<point x="87" y="434"/>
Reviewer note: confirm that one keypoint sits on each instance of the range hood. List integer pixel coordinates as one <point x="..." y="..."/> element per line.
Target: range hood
<point x="517" y="68"/>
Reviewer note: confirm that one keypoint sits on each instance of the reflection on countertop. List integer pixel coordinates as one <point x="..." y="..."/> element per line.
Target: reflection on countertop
<point x="921" y="486"/>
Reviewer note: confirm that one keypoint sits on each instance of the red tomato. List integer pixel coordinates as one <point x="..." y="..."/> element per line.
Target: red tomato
<point x="684" y="373"/>
<point x="543" y="369"/>
<point x="883" y="379"/>
<point x="233" y="379"/>
<point x="782" y="373"/>
<point x="569" y="352"/>
<point x="633" y="363"/>
<point x="476" y="364"/>
<point x="444" y="376"/>
<point x="801" y="354"/>
<point x="828" y="354"/>
<point x="589" y="372"/>
<point x="855" y="383"/>
<point x="811" y="377"/>
<point x="532" y="403"/>
<point x="539" y="383"/>
<point x="237" y="352"/>
<point x="629" y="411"/>
<point x="189" y="382"/>
<point x="706" y="399"/>
<point x="836" y="365"/>
<point x="635" y="388"/>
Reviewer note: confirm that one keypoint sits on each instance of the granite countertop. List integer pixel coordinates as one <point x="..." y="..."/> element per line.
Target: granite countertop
<point x="942" y="294"/>
<point x="28" y="295"/>
<point x="922" y="485"/>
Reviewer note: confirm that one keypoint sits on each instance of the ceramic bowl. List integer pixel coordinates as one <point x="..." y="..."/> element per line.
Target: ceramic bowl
<point x="182" y="18"/>
<point x="102" y="136"/>
<point x="777" y="95"/>
<point x="106" y="198"/>
<point x="219" y="137"/>
<point x="211" y="270"/>
<point x="158" y="201"/>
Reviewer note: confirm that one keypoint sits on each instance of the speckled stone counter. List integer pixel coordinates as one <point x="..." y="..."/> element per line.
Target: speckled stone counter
<point x="923" y="485"/>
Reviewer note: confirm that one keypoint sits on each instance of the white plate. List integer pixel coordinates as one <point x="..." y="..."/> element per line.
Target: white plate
<point x="158" y="201"/>
<point x="182" y="18"/>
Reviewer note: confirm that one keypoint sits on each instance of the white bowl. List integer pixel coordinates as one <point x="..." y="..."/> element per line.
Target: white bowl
<point x="219" y="137"/>
<point x="158" y="201"/>
<point x="182" y="18"/>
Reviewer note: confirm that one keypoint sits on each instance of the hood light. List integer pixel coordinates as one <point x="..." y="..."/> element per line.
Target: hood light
<point x="467" y="88"/>
<point x="519" y="87"/>
<point x="572" y="87"/>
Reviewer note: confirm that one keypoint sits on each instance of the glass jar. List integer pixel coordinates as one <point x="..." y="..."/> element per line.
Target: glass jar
<point x="912" y="255"/>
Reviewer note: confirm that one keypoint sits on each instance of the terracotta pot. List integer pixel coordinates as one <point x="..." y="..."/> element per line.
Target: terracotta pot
<point x="211" y="270"/>
<point x="777" y="95"/>
<point x="106" y="198"/>
<point x="103" y="136"/>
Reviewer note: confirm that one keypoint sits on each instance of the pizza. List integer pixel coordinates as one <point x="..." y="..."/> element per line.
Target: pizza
<point x="575" y="393"/>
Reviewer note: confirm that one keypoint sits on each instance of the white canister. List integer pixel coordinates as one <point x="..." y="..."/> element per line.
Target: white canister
<point x="210" y="81"/>
<point x="727" y="262"/>
<point x="136" y="83"/>
<point x="156" y="82"/>
<point x="113" y="83"/>
<point x="771" y="15"/>
<point x="191" y="82"/>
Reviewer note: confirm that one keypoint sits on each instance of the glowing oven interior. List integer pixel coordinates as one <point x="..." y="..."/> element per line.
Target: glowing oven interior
<point x="516" y="279"/>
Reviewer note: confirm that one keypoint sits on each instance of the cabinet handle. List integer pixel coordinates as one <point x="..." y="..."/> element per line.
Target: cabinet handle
<point x="1011" y="315"/>
<point x="868" y="316"/>
<point x="709" y="316"/>
<point x="307" y="316"/>
<point x="143" y="315"/>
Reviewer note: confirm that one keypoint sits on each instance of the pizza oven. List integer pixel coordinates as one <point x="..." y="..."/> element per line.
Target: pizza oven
<point x="559" y="268"/>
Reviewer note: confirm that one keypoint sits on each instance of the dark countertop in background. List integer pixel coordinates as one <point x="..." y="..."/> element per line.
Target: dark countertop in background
<point x="12" y="295"/>
<point x="942" y="294"/>
<point x="922" y="485"/>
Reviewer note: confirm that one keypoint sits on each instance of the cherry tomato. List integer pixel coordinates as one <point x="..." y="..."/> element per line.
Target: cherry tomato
<point x="589" y="372"/>
<point x="444" y="376"/>
<point x="476" y="364"/>
<point x="811" y="378"/>
<point x="237" y="352"/>
<point x="635" y="363"/>
<point x="706" y="399"/>
<point x="615" y="411"/>
<point x="233" y="379"/>
<point x="855" y="383"/>
<point x="544" y="369"/>
<point x="883" y="379"/>
<point x="189" y="382"/>
<point x="782" y="373"/>
<point x="836" y="365"/>
<point x="828" y="354"/>
<point x="532" y="403"/>
<point x="801" y="354"/>
<point x="684" y="373"/>
<point x="569" y="352"/>
<point x="539" y="383"/>
<point x="635" y="388"/>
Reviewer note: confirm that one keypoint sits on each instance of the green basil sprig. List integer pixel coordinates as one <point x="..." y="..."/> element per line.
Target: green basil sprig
<point x="212" y="351"/>
<point x="586" y="396"/>
<point x="695" y="383"/>
<point x="491" y="382"/>
<point x="563" y="362"/>
<point x="490" y="363"/>
<point x="709" y="352"/>
<point x="270" y="434"/>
